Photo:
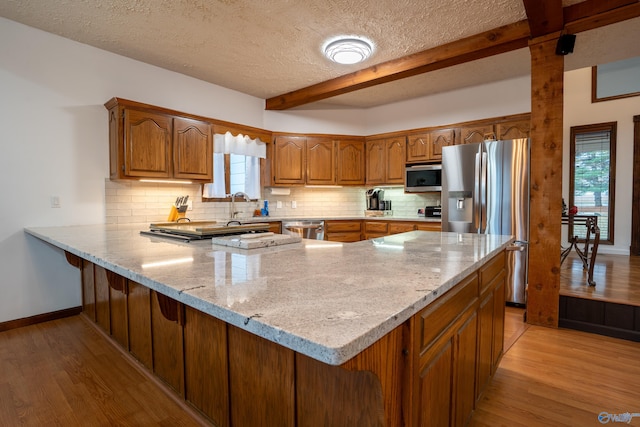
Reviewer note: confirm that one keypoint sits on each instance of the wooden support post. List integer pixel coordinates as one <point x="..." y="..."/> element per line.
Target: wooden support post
<point x="547" y="73"/>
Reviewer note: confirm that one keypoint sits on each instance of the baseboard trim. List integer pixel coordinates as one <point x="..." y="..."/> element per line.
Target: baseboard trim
<point x="39" y="318"/>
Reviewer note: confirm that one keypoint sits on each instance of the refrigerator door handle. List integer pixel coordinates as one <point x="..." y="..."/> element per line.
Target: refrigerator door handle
<point x="484" y="198"/>
<point x="476" y="192"/>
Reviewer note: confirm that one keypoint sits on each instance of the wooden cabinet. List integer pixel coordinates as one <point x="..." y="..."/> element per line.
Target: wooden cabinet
<point x="206" y="365"/>
<point x="395" y="227"/>
<point x="429" y="226"/>
<point x="103" y="313"/>
<point x="373" y="229"/>
<point x="275" y="227"/>
<point x="343" y="230"/>
<point x="167" y="320"/>
<point x="350" y="162"/>
<point x="88" y="290"/>
<point x="289" y="160"/>
<point x="321" y="161"/>
<point x="152" y="143"/>
<point x="427" y="147"/>
<point x="139" y="315"/>
<point x="301" y="160"/>
<point x="385" y="160"/>
<point x="513" y="129"/>
<point x="118" y="294"/>
<point x="454" y="340"/>
<point x="478" y="133"/>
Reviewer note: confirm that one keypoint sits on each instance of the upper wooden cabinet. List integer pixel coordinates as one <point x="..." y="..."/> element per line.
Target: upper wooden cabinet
<point x="321" y="161"/>
<point x="513" y="130"/>
<point x="474" y="134"/>
<point x="427" y="147"/>
<point x="148" y="143"/>
<point x="317" y="161"/>
<point x="289" y="160"/>
<point x="386" y="160"/>
<point x="350" y="162"/>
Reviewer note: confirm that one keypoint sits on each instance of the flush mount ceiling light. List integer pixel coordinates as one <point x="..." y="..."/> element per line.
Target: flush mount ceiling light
<point x="348" y="50"/>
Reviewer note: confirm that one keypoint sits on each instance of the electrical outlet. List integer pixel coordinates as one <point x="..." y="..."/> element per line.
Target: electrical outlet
<point x="189" y="205"/>
<point x="55" y="201"/>
<point x="294" y="204"/>
<point x="279" y="204"/>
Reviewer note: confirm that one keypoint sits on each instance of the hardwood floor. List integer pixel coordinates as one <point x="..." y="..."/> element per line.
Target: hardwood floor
<point x="560" y="377"/>
<point x="65" y="373"/>
<point x="617" y="279"/>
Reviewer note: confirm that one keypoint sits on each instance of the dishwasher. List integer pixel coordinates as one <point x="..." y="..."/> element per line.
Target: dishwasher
<point x="306" y="229"/>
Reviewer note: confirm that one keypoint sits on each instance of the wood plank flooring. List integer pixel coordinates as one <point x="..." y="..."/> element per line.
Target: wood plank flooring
<point x="65" y="373"/>
<point x="617" y="279"/>
<point x="560" y="377"/>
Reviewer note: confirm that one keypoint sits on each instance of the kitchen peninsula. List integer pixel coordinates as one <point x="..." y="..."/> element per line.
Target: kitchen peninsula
<point x="400" y="330"/>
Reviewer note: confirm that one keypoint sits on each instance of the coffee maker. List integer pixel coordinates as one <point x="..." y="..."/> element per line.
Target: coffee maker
<point x="374" y="197"/>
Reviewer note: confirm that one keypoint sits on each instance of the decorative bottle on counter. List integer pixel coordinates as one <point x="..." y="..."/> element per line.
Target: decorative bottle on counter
<point x="265" y="209"/>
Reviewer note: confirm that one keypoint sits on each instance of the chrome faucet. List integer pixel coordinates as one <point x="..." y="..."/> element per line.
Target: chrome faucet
<point x="233" y="196"/>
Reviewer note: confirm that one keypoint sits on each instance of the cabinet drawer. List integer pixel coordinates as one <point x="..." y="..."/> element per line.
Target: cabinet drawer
<point x="375" y="227"/>
<point x="344" y="237"/>
<point x="435" y="318"/>
<point x="400" y="227"/>
<point x="429" y="226"/>
<point x="490" y="270"/>
<point x="341" y="226"/>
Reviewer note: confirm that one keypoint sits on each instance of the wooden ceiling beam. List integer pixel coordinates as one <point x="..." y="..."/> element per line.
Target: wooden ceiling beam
<point x="499" y="40"/>
<point x="544" y="16"/>
<point x="579" y="17"/>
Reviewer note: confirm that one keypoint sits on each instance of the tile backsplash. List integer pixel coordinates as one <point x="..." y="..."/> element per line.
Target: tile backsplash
<point x="137" y="202"/>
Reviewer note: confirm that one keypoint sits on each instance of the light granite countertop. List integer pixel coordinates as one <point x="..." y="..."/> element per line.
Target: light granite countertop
<point x="326" y="300"/>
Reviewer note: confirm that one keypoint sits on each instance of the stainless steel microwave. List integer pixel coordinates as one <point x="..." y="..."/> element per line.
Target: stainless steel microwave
<point x="423" y="178"/>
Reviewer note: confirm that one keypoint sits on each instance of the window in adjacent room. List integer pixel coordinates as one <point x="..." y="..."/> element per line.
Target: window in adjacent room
<point x="592" y="176"/>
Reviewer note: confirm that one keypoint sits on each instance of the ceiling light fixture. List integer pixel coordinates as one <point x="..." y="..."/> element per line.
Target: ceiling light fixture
<point x="348" y="50"/>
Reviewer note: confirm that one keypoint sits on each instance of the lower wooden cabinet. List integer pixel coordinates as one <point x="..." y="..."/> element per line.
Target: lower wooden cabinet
<point x="343" y="230"/>
<point x="429" y="371"/>
<point x="429" y="226"/>
<point x="206" y="365"/>
<point x="400" y="227"/>
<point x="88" y="290"/>
<point x="139" y="315"/>
<point x="167" y="320"/>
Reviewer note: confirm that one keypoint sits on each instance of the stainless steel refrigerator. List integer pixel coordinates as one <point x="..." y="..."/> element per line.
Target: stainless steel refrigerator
<point x="485" y="189"/>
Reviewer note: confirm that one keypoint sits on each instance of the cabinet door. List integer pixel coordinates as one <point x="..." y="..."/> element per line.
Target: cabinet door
<point x="434" y="386"/>
<point x="118" y="306"/>
<point x="103" y="311"/>
<point x="147" y="144"/>
<point x="474" y="134"/>
<point x="465" y="365"/>
<point x="351" y="164"/>
<point x="485" y="342"/>
<point x="206" y="365"/>
<point x="513" y="130"/>
<point x="289" y="160"/>
<point x="88" y="290"/>
<point x="167" y="319"/>
<point x="439" y="139"/>
<point x="396" y="155"/>
<point x="418" y="148"/>
<point x="376" y="161"/>
<point x="192" y="149"/>
<point x="139" y="313"/>
<point x="498" y="323"/>
<point x="321" y="157"/>
<point x="429" y="226"/>
<point x="401" y="227"/>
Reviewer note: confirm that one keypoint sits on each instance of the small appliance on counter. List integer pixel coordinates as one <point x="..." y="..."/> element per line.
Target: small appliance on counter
<point x="374" y="197"/>
<point x="433" y="211"/>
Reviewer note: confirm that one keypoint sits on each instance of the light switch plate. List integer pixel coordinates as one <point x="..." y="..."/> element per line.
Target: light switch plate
<point x="294" y="204"/>
<point x="279" y="204"/>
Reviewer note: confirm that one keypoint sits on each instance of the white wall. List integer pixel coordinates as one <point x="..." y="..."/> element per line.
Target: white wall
<point x="578" y="110"/>
<point x="54" y="141"/>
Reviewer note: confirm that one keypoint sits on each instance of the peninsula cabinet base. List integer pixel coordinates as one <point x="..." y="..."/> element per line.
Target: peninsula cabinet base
<point x="429" y="371"/>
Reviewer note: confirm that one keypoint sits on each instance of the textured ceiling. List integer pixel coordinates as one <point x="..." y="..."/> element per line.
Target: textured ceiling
<point x="267" y="48"/>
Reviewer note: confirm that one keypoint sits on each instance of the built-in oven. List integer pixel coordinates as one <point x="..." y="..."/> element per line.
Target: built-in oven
<point x="423" y="178"/>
